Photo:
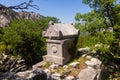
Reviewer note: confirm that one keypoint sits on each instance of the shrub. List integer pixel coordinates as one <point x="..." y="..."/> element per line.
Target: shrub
<point x="25" y="39"/>
<point x="86" y="40"/>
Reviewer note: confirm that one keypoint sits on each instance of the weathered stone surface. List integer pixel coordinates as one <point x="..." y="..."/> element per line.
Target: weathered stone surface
<point x="88" y="57"/>
<point x="87" y="74"/>
<point x="65" y="67"/>
<point x="61" y="55"/>
<point x="7" y="76"/>
<point x="39" y="65"/>
<point x="74" y="64"/>
<point x="92" y="72"/>
<point x="25" y="75"/>
<point x="8" y="63"/>
<point x="60" y="38"/>
<point x="97" y="62"/>
<point x="53" y="66"/>
<point x="70" y="78"/>
<point x="90" y="64"/>
<point x="48" y="73"/>
<point x="94" y="63"/>
<point x="84" y="50"/>
<point x="56" y="76"/>
<point x="32" y="75"/>
<point x="8" y="15"/>
<point x="29" y="15"/>
<point x="56" y="30"/>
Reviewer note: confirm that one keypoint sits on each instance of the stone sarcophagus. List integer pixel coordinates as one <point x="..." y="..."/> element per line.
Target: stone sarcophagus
<point x="59" y="40"/>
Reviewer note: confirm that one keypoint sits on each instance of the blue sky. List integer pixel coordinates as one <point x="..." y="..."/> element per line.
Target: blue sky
<point x="65" y="10"/>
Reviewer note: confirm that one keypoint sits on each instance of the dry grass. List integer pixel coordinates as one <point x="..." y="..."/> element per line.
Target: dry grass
<point x="74" y="71"/>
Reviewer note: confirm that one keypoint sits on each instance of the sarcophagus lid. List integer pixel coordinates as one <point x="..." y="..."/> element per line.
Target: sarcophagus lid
<point x="60" y="31"/>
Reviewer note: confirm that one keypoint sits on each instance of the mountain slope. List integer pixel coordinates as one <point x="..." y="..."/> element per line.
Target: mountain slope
<point x="8" y="15"/>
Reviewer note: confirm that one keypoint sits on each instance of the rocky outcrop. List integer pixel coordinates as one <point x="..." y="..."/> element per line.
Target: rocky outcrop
<point x="49" y="71"/>
<point x="29" y="15"/>
<point x="8" y="15"/>
<point x="52" y="73"/>
<point x="11" y="64"/>
<point x="25" y="75"/>
<point x="92" y="72"/>
<point x="14" y="68"/>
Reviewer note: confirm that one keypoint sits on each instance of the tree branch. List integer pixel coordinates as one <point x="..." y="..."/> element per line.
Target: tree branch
<point x="23" y="5"/>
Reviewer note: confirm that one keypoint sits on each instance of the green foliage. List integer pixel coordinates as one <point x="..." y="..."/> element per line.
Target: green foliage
<point x="105" y="37"/>
<point x="2" y="47"/>
<point x="98" y="3"/>
<point x="105" y="14"/>
<point x="94" y="29"/>
<point x="115" y="45"/>
<point x="86" y="40"/>
<point x="54" y="19"/>
<point x="102" y="51"/>
<point x="43" y="22"/>
<point x="91" y="21"/>
<point x="24" y="38"/>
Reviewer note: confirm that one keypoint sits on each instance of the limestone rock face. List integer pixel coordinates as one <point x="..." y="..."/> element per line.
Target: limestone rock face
<point x="87" y="74"/>
<point x="8" y="15"/>
<point x="29" y="15"/>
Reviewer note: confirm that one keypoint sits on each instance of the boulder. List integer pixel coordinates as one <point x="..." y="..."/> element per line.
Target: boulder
<point x="90" y="64"/>
<point x="30" y="75"/>
<point x="48" y="73"/>
<point x="87" y="74"/>
<point x="84" y="50"/>
<point x="65" y="67"/>
<point x="97" y="62"/>
<point x="92" y="72"/>
<point x="39" y="65"/>
<point x="11" y="64"/>
<point x="74" y="64"/>
<point x="88" y="57"/>
<point x="53" y="66"/>
<point x="56" y="76"/>
<point x="7" y="76"/>
<point x="70" y="78"/>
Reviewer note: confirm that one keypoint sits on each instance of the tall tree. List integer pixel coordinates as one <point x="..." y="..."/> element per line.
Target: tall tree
<point x="106" y="8"/>
<point x="110" y="11"/>
<point x="92" y="22"/>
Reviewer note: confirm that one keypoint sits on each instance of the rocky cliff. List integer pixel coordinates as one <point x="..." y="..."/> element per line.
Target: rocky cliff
<point x="8" y="15"/>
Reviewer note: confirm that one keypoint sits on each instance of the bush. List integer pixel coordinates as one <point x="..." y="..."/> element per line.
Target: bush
<point x="24" y="38"/>
<point x="86" y="40"/>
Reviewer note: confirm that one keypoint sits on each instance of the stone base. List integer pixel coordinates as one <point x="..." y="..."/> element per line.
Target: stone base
<point x="55" y="59"/>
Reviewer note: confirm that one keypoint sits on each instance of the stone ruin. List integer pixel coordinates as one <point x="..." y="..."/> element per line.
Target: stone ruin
<point x="60" y="42"/>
